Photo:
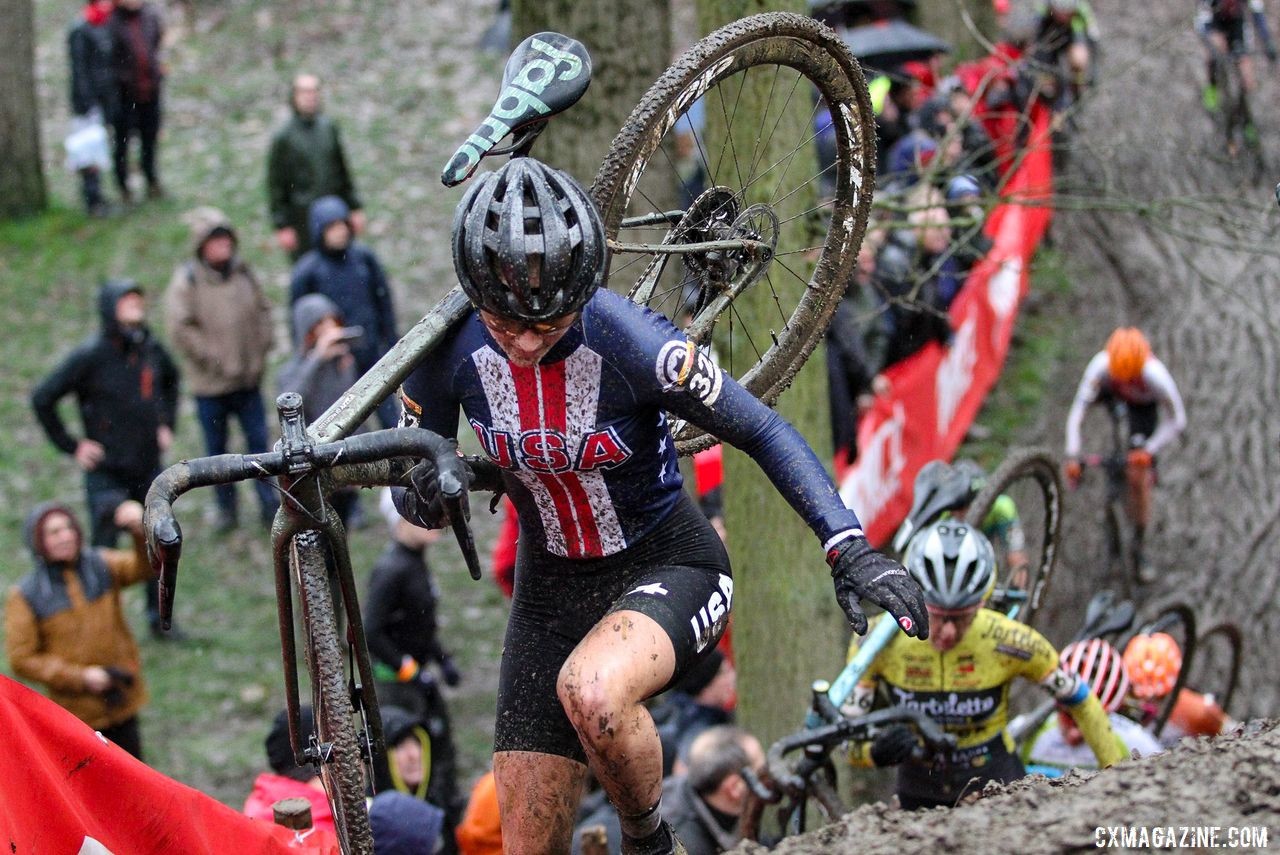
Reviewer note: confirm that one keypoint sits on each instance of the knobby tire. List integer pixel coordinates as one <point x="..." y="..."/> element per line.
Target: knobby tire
<point x="343" y="775"/>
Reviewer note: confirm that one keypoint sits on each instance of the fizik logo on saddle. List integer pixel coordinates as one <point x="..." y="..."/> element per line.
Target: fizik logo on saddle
<point x="546" y="73"/>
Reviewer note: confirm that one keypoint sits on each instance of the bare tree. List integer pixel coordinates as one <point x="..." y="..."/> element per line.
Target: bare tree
<point x="22" y="189"/>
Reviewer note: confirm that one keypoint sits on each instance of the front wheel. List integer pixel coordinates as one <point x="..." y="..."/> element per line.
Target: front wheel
<point x="341" y="767"/>
<point x="736" y="196"/>
<point x="1020" y="510"/>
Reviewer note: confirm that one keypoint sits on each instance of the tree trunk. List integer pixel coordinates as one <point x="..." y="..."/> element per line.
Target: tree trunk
<point x="787" y="628"/>
<point x="630" y="45"/>
<point x="944" y="19"/>
<point x="22" y="188"/>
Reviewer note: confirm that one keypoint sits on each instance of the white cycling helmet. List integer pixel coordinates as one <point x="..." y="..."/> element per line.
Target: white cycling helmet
<point x="954" y="564"/>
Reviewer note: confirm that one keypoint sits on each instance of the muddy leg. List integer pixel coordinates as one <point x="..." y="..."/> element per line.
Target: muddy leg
<point x="623" y="660"/>
<point x="538" y="796"/>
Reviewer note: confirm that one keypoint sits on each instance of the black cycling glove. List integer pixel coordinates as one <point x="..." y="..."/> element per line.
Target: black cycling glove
<point x="861" y="573"/>
<point x="423" y="503"/>
<point x="893" y="746"/>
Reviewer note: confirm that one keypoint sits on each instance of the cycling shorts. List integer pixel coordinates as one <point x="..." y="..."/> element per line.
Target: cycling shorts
<point x="1143" y="419"/>
<point x="1235" y="32"/>
<point x="678" y="575"/>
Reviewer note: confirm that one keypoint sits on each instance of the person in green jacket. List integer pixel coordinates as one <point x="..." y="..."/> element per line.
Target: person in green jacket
<point x="307" y="161"/>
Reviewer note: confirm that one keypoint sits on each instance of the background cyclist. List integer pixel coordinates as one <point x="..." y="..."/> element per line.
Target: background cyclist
<point x="946" y="490"/>
<point x="960" y="677"/>
<point x="621" y="582"/>
<point x="1126" y="371"/>
<point x="1223" y="27"/>
<point x="1152" y="661"/>
<point x="1059" y="746"/>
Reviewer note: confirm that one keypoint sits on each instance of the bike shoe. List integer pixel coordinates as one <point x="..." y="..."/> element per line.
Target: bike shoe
<point x="661" y="842"/>
<point x="1210" y="98"/>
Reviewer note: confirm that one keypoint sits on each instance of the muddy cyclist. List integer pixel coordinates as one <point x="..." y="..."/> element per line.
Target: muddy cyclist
<point x="621" y="583"/>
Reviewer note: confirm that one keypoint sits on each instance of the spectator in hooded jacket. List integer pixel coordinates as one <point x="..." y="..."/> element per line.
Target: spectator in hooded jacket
<point x="220" y="320"/>
<point x="93" y="87"/>
<point x="307" y="161"/>
<point x="137" y="33"/>
<point x="321" y="369"/>
<point x="126" y="386"/>
<point x="422" y="764"/>
<point x="349" y="274"/>
<point x="64" y="627"/>
<point x="403" y="825"/>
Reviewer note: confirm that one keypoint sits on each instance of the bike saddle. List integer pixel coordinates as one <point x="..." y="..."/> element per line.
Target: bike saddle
<point x="546" y="74"/>
<point x="938" y="488"/>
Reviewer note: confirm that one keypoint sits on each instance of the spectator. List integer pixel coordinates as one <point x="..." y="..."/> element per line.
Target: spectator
<point x="287" y="779"/>
<point x="400" y="618"/>
<point x="64" y="626"/>
<point x="349" y="274"/>
<point x="321" y="370"/>
<point x="936" y="253"/>
<point x="137" y="31"/>
<point x="94" y="98"/>
<point x="220" y="320"/>
<point x="307" y="162"/>
<point x="403" y="825"/>
<point x="126" y="386"/>
<point x="480" y="832"/>
<point x="422" y="763"/>
<point x="916" y="309"/>
<point x="703" y="804"/>
<point x="964" y="203"/>
<point x="703" y="699"/>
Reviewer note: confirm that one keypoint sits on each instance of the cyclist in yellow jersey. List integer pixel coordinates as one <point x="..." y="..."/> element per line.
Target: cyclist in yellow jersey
<point x="960" y="677"/>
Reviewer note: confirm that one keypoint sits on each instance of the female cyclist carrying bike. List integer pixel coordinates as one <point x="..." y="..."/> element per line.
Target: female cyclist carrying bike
<point x="621" y="583"/>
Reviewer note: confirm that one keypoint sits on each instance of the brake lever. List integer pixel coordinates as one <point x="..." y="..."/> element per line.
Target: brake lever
<point x="454" y="496"/>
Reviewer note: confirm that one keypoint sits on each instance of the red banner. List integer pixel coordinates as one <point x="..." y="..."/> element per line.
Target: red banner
<point x="936" y="392"/>
<point x="66" y="789"/>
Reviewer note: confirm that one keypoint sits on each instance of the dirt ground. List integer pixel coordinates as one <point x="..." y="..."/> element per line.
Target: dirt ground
<point x="1232" y="782"/>
<point x="1159" y="229"/>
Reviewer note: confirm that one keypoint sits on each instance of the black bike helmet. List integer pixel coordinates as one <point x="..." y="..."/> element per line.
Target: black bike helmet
<point x="528" y="242"/>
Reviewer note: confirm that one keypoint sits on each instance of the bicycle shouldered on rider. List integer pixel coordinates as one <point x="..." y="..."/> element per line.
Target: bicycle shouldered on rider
<point x="621" y="583"/>
<point x="960" y="677"/>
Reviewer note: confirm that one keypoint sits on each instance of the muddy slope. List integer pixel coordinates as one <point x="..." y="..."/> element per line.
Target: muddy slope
<point x="1180" y="241"/>
<point x="1233" y="781"/>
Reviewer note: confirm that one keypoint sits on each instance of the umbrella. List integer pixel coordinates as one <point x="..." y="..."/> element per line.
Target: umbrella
<point x="890" y="43"/>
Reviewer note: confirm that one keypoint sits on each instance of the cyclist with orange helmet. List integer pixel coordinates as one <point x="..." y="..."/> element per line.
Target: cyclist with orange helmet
<point x="1152" y="662"/>
<point x="1126" y="371"/>
<point x="1058" y="746"/>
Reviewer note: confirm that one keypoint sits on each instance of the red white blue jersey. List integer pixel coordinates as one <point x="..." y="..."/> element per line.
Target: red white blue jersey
<point x="583" y="438"/>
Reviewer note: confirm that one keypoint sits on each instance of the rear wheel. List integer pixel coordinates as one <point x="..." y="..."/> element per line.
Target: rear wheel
<point x="1216" y="670"/>
<point x="777" y="206"/>
<point x="341" y="767"/>
<point x="1024" y="495"/>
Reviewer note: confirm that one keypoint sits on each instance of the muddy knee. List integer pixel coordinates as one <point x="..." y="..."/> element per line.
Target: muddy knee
<point x="592" y="701"/>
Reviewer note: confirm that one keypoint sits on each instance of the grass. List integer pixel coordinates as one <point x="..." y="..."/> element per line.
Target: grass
<point x="402" y="107"/>
<point x="1041" y="341"/>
